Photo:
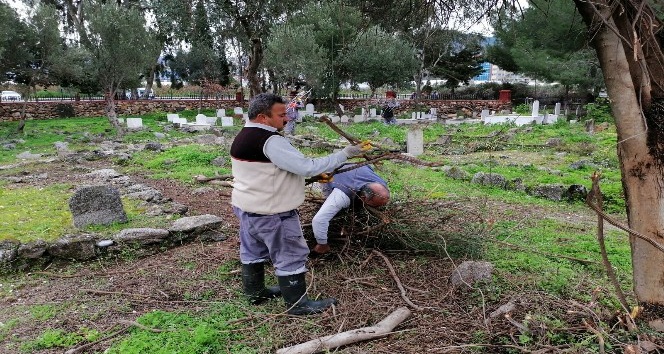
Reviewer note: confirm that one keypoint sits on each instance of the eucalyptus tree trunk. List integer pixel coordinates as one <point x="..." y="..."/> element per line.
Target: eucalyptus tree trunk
<point x="631" y="60"/>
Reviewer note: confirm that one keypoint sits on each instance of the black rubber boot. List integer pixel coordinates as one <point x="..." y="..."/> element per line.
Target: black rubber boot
<point x="253" y="281"/>
<point x="293" y="289"/>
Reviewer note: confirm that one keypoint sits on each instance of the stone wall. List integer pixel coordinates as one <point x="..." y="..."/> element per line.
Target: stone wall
<point x="10" y="111"/>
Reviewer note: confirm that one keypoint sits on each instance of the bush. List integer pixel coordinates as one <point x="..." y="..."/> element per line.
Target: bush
<point x="65" y="110"/>
<point x="600" y="111"/>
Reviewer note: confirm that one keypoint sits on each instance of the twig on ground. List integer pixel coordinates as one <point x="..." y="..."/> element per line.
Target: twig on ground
<point x="600" y="336"/>
<point x="396" y="279"/>
<point x="83" y="347"/>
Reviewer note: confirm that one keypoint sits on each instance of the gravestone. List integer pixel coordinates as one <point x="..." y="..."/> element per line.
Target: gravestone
<point x="180" y="121"/>
<point x="134" y="123"/>
<point x="434" y="113"/>
<point x="238" y="110"/>
<point x="226" y="121"/>
<point x="415" y="142"/>
<point x="484" y="114"/>
<point x="413" y="115"/>
<point x="245" y="116"/>
<point x="121" y="120"/>
<point x="335" y="119"/>
<point x="556" y="110"/>
<point x="201" y="119"/>
<point x="343" y="109"/>
<point x="221" y="113"/>
<point x="345" y="119"/>
<point x="358" y="118"/>
<point x="310" y="109"/>
<point x="211" y="120"/>
<point x="171" y="117"/>
<point x="96" y="205"/>
<point x="535" y="108"/>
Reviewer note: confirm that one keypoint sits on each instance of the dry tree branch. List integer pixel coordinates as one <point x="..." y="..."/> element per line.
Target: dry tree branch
<point x="381" y="329"/>
<point x="396" y="279"/>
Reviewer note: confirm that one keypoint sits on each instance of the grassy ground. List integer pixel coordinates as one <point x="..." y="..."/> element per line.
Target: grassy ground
<point x="537" y="246"/>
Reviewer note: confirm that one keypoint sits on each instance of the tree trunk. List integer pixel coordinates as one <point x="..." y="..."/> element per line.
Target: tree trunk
<point x="252" y="69"/>
<point x="149" y="81"/>
<point x="642" y="173"/>
<point x="111" y="115"/>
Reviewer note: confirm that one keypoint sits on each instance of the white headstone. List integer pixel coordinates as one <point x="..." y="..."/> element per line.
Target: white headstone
<point x="413" y="115"/>
<point x="134" y="123"/>
<point x="211" y="120"/>
<point x="180" y="120"/>
<point x="171" y="116"/>
<point x="245" y="116"/>
<point x="358" y="118"/>
<point x="434" y="112"/>
<point x="226" y="121"/>
<point x="335" y="119"/>
<point x="121" y="120"/>
<point x="238" y="110"/>
<point x="310" y="109"/>
<point x="535" y="108"/>
<point x="556" y="110"/>
<point x="372" y="112"/>
<point x="343" y="109"/>
<point x="201" y="119"/>
<point x="345" y="119"/>
<point x="415" y="142"/>
<point x="221" y="112"/>
<point x="484" y="114"/>
<point x="364" y="112"/>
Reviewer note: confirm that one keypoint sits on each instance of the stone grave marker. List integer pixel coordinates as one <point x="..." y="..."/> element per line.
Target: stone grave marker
<point x="484" y="114"/>
<point x="96" y="205"/>
<point x="335" y="119"/>
<point x="345" y="119"/>
<point x="171" y="116"/>
<point x="556" y="110"/>
<point x="134" y="123"/>
<point x="201" y="119"/>
<point x="121" y="120"/>
<point x="358" y="118"/>
<point x="415" y="142"/>
<point x="245" y="116"/>
<point x="372" y="112"/>
<point x="221" y="112"/>
<point x="535" y="108"/>
<point x="226" y="121"/>
<point x="310" y="109"/>
<point x="238" y="110"/>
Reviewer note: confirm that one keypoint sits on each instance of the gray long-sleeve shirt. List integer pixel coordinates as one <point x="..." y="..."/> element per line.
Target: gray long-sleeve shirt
<point x="281" y="153"/>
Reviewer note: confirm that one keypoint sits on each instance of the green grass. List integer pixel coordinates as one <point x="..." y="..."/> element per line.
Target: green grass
<point x="31" y="213"/>
<point x="187" y="333"/>
<point x="180" y="162"/>
<point x="58" y="338"/>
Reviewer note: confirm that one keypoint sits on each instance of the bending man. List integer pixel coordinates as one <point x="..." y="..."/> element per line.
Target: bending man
<point x="361" y="183"/>
<point x="268" y="187"/>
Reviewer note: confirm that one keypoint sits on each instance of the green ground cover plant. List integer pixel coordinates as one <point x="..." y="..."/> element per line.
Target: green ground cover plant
<point x="187" y="333"/>
<point x="42" y="213"/>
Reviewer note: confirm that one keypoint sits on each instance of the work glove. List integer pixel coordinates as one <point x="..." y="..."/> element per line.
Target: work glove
<point x="324" y="178"/>
<point x="359" y="149"/>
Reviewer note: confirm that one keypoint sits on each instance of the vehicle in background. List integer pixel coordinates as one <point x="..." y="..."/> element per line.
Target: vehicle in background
<point x="11" y="96"/>
<point x="140" y="92"/>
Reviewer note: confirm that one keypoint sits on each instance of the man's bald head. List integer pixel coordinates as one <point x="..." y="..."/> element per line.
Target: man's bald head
<point x="374" y="194"/>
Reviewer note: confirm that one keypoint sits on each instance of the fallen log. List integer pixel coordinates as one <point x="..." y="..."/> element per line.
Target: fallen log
<point x="381" y="329"/>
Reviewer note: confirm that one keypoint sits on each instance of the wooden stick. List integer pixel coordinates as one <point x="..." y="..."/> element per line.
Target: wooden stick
<point x="396" y="279"/>
<point x="381" y="329"/>
<point x="83" y="347"/>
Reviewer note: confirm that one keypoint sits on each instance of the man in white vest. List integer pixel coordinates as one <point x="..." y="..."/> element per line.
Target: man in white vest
<point x="268" y="188"/>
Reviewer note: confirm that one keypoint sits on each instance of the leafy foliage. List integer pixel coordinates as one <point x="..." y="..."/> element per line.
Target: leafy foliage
<point x="186" y="334"/>
<point x="548" y="42"/>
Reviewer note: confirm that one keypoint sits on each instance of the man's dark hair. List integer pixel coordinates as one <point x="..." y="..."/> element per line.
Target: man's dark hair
<point x="263" y="103"/>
